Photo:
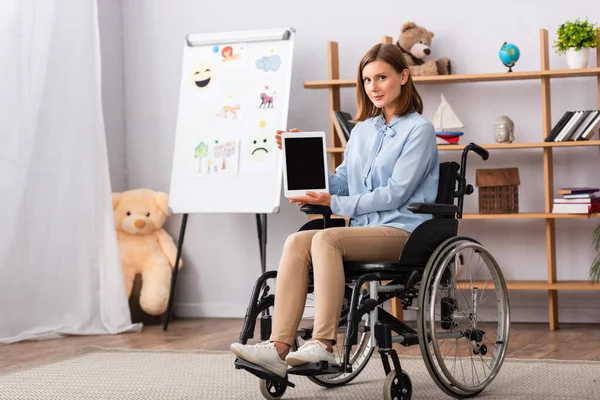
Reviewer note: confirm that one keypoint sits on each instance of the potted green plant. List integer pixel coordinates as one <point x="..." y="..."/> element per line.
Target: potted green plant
<point x="595" y="268"/>
<point x="575" y="40"/>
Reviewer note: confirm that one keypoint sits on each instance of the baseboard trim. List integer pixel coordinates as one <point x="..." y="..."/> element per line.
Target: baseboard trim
<point x="567" y="315"/>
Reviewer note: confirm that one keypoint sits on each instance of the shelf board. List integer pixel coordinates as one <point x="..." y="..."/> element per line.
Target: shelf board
<point x="522" y="215"/>
<point x="533" y="145"/>
<point x="500" y="76"/>
<point x="526" y="215"/>
<point x="500" y="146"/>
<point x="538" y="285"/>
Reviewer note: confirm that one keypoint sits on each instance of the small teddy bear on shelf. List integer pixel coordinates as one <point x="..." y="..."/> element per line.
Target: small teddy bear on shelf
<point x="144" y="246"/>
<point x="415" y="42"/>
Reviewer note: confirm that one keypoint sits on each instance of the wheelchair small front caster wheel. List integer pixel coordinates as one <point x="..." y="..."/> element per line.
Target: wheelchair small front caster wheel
<point x="272" y="390"/>
<point x="397" y="386"/>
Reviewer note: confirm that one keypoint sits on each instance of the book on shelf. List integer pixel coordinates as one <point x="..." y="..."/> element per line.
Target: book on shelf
<point x="574" y="126"/>
<point x="582" y="200"/>
<point x="577" y="190"/>
<point x="343" y="125"/>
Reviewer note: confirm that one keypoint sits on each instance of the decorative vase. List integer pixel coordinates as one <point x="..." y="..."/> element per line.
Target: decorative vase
<point x="578" y="58"/>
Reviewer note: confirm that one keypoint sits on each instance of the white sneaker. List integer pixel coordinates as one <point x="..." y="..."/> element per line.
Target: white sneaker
<point x="263" y="354"/>
<point x="310" y="352"/>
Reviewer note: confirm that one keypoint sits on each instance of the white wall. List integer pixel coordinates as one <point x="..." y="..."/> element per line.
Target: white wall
<point x="110" y="16"/>
<point x="221" y="251"/>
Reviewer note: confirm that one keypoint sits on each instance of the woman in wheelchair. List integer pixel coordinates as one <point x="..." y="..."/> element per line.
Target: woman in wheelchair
<point x="390" y="161"/>
<point x="402" y="242"/>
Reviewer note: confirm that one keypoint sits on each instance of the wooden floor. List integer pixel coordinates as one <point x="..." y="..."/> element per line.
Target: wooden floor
<point x="530" y="341"/>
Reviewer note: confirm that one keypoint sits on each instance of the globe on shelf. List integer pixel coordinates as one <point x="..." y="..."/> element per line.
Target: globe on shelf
<point x="509" y="55"/>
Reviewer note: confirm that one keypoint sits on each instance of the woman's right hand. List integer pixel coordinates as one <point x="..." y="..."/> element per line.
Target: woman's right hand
<point x="278" y="136"/>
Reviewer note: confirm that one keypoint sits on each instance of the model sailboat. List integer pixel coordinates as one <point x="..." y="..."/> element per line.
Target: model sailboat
<point x="448" y="127"/>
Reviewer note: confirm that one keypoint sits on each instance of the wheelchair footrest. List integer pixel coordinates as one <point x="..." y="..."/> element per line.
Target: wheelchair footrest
<point x="317" y="368"/>
<point x="261" y="372"/>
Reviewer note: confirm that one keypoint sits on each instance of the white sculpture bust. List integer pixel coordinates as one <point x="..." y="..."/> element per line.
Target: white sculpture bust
<point x="504" y="130"/>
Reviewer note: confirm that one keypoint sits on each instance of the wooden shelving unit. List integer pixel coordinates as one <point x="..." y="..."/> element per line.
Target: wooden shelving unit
<point x="544" y="75"/>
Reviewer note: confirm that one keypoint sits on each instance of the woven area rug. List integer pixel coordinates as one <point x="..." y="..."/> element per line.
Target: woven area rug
<point x="173" y="375"/>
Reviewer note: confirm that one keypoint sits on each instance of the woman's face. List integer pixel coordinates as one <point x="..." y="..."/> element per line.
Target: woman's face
<point x="382" y="83"/>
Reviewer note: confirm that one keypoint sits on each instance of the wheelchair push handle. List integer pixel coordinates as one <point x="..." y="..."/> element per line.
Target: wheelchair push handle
<point x="483" y="153"/>
<point x="463" y="187"/>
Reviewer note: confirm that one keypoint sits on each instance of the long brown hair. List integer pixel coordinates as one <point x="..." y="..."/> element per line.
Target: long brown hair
<point x="409" y="99"/>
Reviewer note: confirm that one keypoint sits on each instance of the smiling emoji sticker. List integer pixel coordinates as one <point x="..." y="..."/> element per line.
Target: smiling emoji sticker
<point x="259" y="147"/>
<point x="203" y="75"/>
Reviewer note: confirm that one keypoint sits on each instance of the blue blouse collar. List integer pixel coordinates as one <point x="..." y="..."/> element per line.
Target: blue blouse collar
<point x="386" y="129"/>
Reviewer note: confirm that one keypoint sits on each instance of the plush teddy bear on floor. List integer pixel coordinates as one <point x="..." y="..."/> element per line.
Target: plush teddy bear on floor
<point x="415" y="43"/>
<point x="145" y="247"/>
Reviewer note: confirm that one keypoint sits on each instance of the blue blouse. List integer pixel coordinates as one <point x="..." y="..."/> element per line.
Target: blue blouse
<point x="385" y="168"/>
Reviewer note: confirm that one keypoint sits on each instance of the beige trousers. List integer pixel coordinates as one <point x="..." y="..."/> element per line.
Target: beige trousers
<point x="325" y="250"/>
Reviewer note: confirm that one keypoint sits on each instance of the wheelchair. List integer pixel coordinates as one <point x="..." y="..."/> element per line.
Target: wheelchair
<point x="462" y="310"/>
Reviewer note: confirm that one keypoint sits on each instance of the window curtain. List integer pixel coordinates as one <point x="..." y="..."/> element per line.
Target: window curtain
<point x="60" y="272"/>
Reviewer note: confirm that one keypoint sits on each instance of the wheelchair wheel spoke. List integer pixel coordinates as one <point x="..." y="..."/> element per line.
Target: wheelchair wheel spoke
<point x="463" y="318"/>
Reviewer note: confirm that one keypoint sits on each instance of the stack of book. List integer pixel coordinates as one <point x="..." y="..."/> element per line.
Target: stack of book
<point x="575" y="125"/>
<point x="577" y="200"/>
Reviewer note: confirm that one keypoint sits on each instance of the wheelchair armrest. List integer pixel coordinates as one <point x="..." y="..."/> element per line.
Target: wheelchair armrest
<point x="314" y="209"/>
<point x="432" y="208"/>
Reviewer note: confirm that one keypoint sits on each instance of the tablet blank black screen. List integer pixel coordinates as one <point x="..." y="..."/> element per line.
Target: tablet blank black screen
<point x="305" y="165"/>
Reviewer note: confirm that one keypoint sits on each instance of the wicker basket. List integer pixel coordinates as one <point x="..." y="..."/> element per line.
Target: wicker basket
<point x="498" y="190"/>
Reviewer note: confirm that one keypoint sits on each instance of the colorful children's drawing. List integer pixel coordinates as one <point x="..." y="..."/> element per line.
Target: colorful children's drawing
<point x="229" y="52"/>
<point x="203" y="74"/>
<point x="260" y="146"/>
<point x="225" y="151"/>
<point x="269" y="63"/>
<point x="228" y="55"/>
<point x="266" y="98"/>
<point x="230" y="112"/>
<point x="201" y="153"/>
<point x="230" y="108"/>
<point x="217" y="158"/>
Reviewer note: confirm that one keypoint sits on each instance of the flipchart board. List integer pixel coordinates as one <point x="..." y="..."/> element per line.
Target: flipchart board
<point x="234" y="95"/>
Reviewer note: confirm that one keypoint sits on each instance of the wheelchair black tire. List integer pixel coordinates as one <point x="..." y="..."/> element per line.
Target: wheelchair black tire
<point x="439" y="255"/>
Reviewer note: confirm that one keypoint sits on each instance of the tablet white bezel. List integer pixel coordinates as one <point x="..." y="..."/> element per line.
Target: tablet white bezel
<point x="294" y="193"/>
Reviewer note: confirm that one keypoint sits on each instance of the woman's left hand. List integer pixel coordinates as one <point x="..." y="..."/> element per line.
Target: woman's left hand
<point x="316" y="198"/>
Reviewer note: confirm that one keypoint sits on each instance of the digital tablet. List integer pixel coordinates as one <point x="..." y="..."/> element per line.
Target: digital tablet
<point x="304" y="163"/>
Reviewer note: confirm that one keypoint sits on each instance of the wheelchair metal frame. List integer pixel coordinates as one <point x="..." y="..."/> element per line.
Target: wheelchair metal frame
<point x="402" y="276"/>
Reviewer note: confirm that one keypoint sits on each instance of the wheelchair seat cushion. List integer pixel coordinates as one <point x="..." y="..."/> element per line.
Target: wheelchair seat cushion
<point x="354" y="268"/>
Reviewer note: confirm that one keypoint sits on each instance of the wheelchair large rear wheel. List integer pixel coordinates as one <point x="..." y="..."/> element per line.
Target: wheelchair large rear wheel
<point x="463" y="317"/>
